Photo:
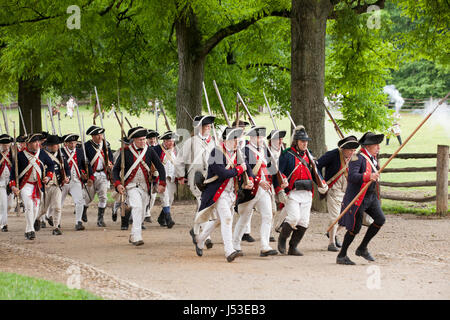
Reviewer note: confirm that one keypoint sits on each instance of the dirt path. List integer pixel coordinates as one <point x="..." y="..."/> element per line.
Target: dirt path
<point x="412" y="261"/>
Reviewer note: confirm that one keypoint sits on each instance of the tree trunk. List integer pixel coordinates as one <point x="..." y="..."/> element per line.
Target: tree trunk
<point x="30" y="103"/>
<point x="191" y="71"/>
<point x="308" y="30"/>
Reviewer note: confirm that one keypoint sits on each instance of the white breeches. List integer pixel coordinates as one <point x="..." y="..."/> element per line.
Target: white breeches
<point x="100" y="187"/>
<point x="298" y="208"/>
<point x="53" y="203"/>
<point x="31" y="206"/>
<point x="137" y="199"/>
<point x="75" y="190"/>
<point x="169" y="194"/>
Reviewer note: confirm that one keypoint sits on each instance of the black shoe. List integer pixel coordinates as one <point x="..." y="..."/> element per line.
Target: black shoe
<point x="208" y="244"/>
<point x="233" y="256"/>
<point x="344" y="260"/>
<point x="148" y="219"/>
<point x="37" y="225"/>
<point x="124" y="221"/>
<point x="32" y="235"/>
<point x="100" y="222"/>
<point x="143" y="227"/>
<point x="294" y="252"/>
<point x="43" y="224"/>
<point x="56" y="232"/>
<point x="138" y="243"/>
<point x="191" y="232"/>
<point x="297" y="236"/>
<point x="272" y="239"/>
<point x="365" y="254"/>
<point x="333" y="248"/>
<point x="268" y="253"/>
<point x="79" y="226"/>
<point x="84" y="216"/>
<point x="49" y="220"/>
<point x="247" y="237"/>
<point x="114" y="216"/>
<point x="240" y="253"/>
<point x="5" y="228"/>
<point x="162" y="219"/>
<point x="123" y="227"/>
<point x="27" y="235"/>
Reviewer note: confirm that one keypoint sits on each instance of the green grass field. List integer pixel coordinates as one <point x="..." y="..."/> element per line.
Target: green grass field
<point x="424" y="141"/>
<point x="17" y="287"/>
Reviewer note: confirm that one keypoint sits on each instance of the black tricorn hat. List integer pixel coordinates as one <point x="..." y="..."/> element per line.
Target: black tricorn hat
<point x="232" y="133"/>
<point x="168" y="135"/>
<point x="371" y="138"/>
<point x="152" y="134"/>
<point x="276" y="134"/>
<point x="44" y="135"/>
<point x="350" y="142"/>
<point x="203" y="120"/>
<point x="300" y="134"/>
<point x="257" y="131"/>
<point x="52" y="140"/>
<point x="137" y="132"/>
<point x="22" y="138"/>
<point x="93" y="130"/>
<point x="33" y="137"/>
<point x="70" y="137"/>
<point x="242" y="124"/>
<point x="4" y="139"/>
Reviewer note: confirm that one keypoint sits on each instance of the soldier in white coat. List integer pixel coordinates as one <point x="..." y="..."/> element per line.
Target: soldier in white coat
<point x="193" y="160"/>
<point x="152" y="141"/>
<point x="6" y="162"/>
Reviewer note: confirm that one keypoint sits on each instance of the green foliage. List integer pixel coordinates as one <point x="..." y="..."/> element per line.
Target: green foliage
<point x="18" y="287"/>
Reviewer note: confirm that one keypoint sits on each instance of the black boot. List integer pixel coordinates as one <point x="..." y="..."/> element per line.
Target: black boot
<point x="297" y="236"/>
<point x="125" y="220"/>
<point x="162" y="219"/>
<point x="84" y="216"/>
<point x="100" y="222"/>
<point x="169" y="220"/>
<point x="37" y="225"/>
<point x="284" y="234"/>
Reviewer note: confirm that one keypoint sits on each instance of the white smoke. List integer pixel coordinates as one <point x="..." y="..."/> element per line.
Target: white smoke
<point x="394" y="96"/>
<point x="441" y="116"/>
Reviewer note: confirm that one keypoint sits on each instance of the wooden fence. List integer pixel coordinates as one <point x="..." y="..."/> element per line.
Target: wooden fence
<point x="442" y="166"/>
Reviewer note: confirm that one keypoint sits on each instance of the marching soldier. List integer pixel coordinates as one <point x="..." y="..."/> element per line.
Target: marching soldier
<point x="125" y="218"/>
<point x="296" y="164"/>
<point x="138" y="157"/>
<point x="31" y="170"/>
<point x="218" y="198"/>
<point x="363" y="168"/>
<point x="276" y="145"/>
<point x="152" y="141"/>
<point x="260" y="196"/>
<point x="52" y="199"/>
<point x="78" y="176"/>
<point x="6" y="162"/>
<point x="101" y="164"/>
<point x="336" y="163"/>
<point x="167" y="155"/>
<point x="193" y="160"/>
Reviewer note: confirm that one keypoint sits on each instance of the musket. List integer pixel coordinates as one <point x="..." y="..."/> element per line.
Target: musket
<point x="122" y="166"/>
<point x="239" y="156"/>
<point x="46" y="122"/>
<point x="387" y="162"/>
<point x="127" y="121"/>
<point x="16" y="168"/>
<point x="336" y="127"/>
<point x="273" y="160"/>
<point x="59" y="123"/>
<point x="156" y="116"/>
<point x="311" y="159"/>
<point x="60" y="158"/>
<point x="165" y="117"/>
<point x="105" y="148"/>
<point x="23" y="122"/>
<point x="209" y="111"/>
<point x="271" y="116"/>
<point x="31" y="121"/>
<point x="5" y="119"/>
<point x="86" y="163"/>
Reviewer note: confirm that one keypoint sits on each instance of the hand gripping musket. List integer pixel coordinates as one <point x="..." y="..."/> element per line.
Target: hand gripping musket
<point x="210" y="113"/>
<point x="336" y="127"/>
<point x="239" y="156"/>
<point x="16" y="167"/>
<point x="104" y="146"/>
<point x="387" y="162"/>
<point x="273" y="160"/>
<point x="86" y="162"/>
<point x="311" y="159"/>
<point x="271" y="116"/>
<point x="60" y="158"/>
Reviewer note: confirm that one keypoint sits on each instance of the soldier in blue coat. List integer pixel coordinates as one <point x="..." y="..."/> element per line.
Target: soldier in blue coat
<point x="362" y="168"/>
<point x="32" y="177"/>
<point x="335" y="162"/>
<point x="224" y="180"/>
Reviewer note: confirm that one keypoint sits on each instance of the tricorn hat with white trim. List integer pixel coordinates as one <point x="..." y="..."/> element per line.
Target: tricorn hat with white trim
<point x="232" y="133"/>
<point x="257" y="131"/>
<point x="350" y="142"/>
<point x="168" y="135"/>
<point x="276" y="134"/>
<point x="137" y="132"/>
<point x="4" y="139"/>
<point x="203" y="120"/>
<point x="93" y="130"/>
<point x="70" y="137"/>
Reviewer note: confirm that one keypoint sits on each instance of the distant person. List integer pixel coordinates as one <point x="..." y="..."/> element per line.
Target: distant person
<point x="394" y="129"/>
<point x="70" y="105"/>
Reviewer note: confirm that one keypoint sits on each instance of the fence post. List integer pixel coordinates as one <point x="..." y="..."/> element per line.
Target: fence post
<point x="442" y="180"/>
